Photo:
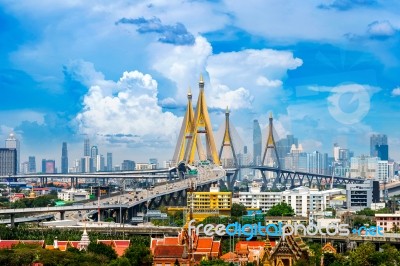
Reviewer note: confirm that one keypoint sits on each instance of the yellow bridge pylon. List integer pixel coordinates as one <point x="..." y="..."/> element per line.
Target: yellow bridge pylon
<point x="201" y="125"/>
<point x="271" y="144"/>
<point x="227" y="140"/>
<point x="185" y="134"/>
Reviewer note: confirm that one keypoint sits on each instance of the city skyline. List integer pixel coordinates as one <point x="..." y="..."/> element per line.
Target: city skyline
<point x="119" y="73"/>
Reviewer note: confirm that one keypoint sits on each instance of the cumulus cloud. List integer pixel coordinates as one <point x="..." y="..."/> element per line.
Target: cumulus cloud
<point x="381" y="30"/>
<point x="130" y="111"/>
<point x="263" y="81"/>
<point x="343" y="5"/>
<point x="396" y="92"/>
<point x="174" y="34"/>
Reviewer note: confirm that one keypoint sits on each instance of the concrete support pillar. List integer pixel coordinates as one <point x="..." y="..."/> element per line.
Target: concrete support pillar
<point x="12" y="220"/>
<point x="62" y="215"/>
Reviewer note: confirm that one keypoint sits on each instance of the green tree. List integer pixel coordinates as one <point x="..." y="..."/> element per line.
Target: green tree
<point x="238" y="210"/>
<point x="122" y="261"/>
<point x="366" y="211"/>
<point x="281" y="209"/>
<point x="139" y="254"/>
<point x="100" y="248"/>
<point x="364" y="255"/>
<point x="213" y="263"/>
<point x="177" y="263"/>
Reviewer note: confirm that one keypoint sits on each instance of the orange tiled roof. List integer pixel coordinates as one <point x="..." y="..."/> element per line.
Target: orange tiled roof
<point x="7" y="244"/>
<point x="168" y="251"/>
<point x="204" y="244"/>
<point x="171" y="241"/>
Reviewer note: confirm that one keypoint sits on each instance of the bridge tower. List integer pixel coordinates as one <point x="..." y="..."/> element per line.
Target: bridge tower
<point x="201" y="125"/>
<point x="228" y="143"/>
<point x="271" y="144"/>
<point x="185" y="134"/>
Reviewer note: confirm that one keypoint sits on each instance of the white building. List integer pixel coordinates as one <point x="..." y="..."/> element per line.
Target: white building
<point x="73" y="194"/>
<point x="383" y="171"/>
<point x="306" y="201"/>
<point x="303" y="200"/>
<point x="364" y="166"/>
<point x="260" y="200"/>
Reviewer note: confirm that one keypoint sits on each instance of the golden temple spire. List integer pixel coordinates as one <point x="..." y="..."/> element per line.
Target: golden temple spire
<point x="201" y="79"/>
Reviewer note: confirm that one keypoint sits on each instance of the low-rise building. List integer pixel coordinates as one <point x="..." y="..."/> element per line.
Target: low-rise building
<point x="73" y="194"/>
<point x="390" y="222"/>
<point x="361" y="196"/>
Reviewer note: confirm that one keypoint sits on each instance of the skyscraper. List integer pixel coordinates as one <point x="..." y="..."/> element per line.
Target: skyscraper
<point x="8" y="161"/>
<point x="64" y="159"/>
<point x="376" y="139"/>
<point x="32" y="164"/>
<point x="283" y="147"/>
<point x="94" y="151"/>
<point x="86" y="147"/>
<point x="382" y="151"/>
<point x="43" y="165"/>
<point x="13" y="143"/>
<point x="109" y="162"/>
<point x="50" y="166"/>
<point x="257" y="142"/>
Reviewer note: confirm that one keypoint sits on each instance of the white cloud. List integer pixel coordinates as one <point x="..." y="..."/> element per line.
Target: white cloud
<point x="131" y="113"/>
<point x="396" y="92"/>
<point x="381" y="29"/>
<point x="263" y="81"/>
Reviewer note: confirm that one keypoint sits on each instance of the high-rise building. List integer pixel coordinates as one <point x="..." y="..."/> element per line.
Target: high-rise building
<point x="8" y="161"/>
<point x="154" y="162"/>
<point x="336" y="152"/>
<point x="296" y="160"/>
<point x="24" y="169"/>
<point x="364" y="167"/>
<point x="50" y="167"/>
<point x="43" y="165"/>
<point x="94" y="151"/>
<point x="64" y="158"/>
<point x="99" y="163"/>
<point x="257" y="143"/>
<point x="128" y="165"/>
<point x="376" y="139"/>
<point x="283" y="147"/>
<point x="86" y="147"/>
<point x="85" y="165"/>
<point x="109" y="162"/>
<point x="317" y="162"/>
<point x="382" y="151"/>
<point x="32" y="164"/>
<point x="13" y="143"/>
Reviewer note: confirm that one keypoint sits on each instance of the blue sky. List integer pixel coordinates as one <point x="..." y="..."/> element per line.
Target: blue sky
<point x="119" y="71"/>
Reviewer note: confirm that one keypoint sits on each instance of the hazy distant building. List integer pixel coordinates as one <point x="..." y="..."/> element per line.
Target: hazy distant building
<point x="8" y="161"/>
<point x="86" y="147"/>
<point x="296" y="160"/>
<point x="48" y="166"/>
<point x="336" y="152"/>
<point x="94" y="151"/>
<point x="109" y="162"/>
<point x="364" y="167"/>
<point x="154" y="162"/>
<point x="376" y="139"/>
<point x="64" y="158"/>
<point x="32" y="164"/>
<point x="24" y="169"/>
<point x="99" y="163"/>
<point x="382" y="151"/>
<point x="317" y="163"/>
<point x="128" y="165"/>
<point x="283" y="147"/>
<point x="257" y="143"/>
<point x="13" y="143"/>
<point x="85" y="164"/>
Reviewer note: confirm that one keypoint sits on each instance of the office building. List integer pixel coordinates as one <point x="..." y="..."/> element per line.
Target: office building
<point x="109" y="162"/>
<point x="94" y="151"/>
<point x="50" y="167"/>
<point x="85" y="165"/>
<point x="317" y="163"/>
<point x="364" y="167"/>
<point x="361" y="196"/>
<point x="99" y="163"/>
<point x="128" y="165"/>
<point x="296" y="160"/>
<point x="376" y="139"/>
<point x="86" y="147"/>
<point x="32" y="164"/>
<point x="283" y="147"/>
<point x="257" y="143"/>
<point x="154" y="162"/>
<point x="43" y="166"/>
<point x="64" y="159"/>
<point x="210" y="203"/>
<point x="382" y="152"/>
<point x="24" y="168"/>
<point x="8" y="161"/>
<point x="383" y="171"/>
<point x="13" y="143"/>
